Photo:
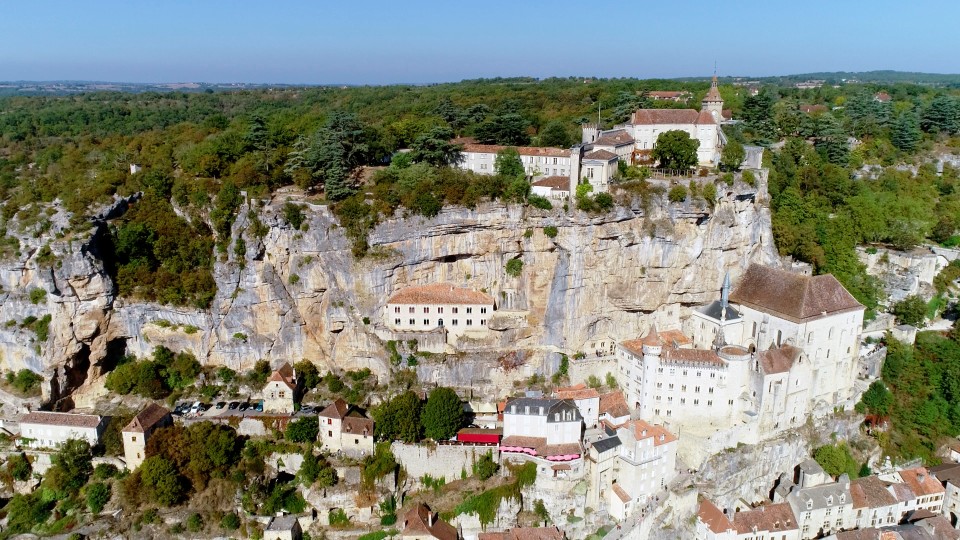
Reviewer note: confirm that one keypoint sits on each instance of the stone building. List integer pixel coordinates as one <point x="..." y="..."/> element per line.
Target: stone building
<point x="419" y="523"/>
<point x="283" y="528"/>
<point x="345" y="429"/>
<point x="42" y="429"/>
<point x="280" y="392"/>
<point x="545" y="429"/>
<point x="537" y="161"/>
<point x="456" y="310"/>
<point x="138" y="431"/>
<point x="586" y="399"/>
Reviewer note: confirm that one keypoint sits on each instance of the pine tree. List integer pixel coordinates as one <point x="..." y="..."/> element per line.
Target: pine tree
<point x="942" y="116"/>
<point x="905" y="134"/>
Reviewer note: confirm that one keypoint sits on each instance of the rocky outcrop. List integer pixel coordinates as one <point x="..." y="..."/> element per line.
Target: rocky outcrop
<point x="298" y="294"/>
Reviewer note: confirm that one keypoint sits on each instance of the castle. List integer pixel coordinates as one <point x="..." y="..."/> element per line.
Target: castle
<point x="777" y="348"/>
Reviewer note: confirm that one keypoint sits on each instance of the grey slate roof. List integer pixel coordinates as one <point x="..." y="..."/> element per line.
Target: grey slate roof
<point x="606" y="444"/>
<point x="543" y="407"/>
<point x="713" y="311"/>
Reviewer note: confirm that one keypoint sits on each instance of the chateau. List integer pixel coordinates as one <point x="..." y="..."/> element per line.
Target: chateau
<point x="779" y="347"/>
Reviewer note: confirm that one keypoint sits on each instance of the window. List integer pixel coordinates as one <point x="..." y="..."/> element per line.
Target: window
<point x="413" y="321"/>
<point x="469" y="310"/>
<point x="710" y="403"/>
<point x="483" y="310"/>
<point x="483" y="322"/>
<point x="426" y="322"/>
<point x="699" y="373"/>
<point x="697" y="389"/>
<point x="469" y="322"/>
<point x="710" y="391"/>
<point x="683" y="401"/>
<point x="439" y="310"/>
<point x="455" y="310"/>
<point x="396" y="309"/>
<point x="483" y="165"/>
<point x="412" y="309"/>
<point x="696" y="402"/>
<point x="454" y="322"/>
<point x="134" y="438"/>
<point x="329" y="434"/>
<point x="396" y="321"/>
<point x="426" y="310"/>
<point x="730" y="402"/>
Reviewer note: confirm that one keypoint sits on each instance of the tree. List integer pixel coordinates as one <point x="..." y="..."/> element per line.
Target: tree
<point x="442" y="415"/>
<point x="399" y="418"/>
<point x="308" y="374"/>
<point x="330" y="156"/>
<point x="435" y="148"/>
<point x="72" y="466"/>
<point x="514" y="267"/>
<point x="555" y="134"/>
<point x="732" y="156"/>
<point x="19" y="467"/>
<point x="676" y="150"/>
<point x="905" y="133"/>
<point x="485" y="467"/>
<point x="509" y="129"/>
<point x="942" y="115"/>
<point x="757" y="115"/>
<point x="508" y="164"/>
<point x="911" y="310"/>
<point x="836" y="460"/>
<point x="832" y="140"/>
<point x="293" y="213"/>
<point x="98" y="495"/>
<point x="230" y="522"/>
<point x="305" y="429"/>
<point x="876" y="400"/>
<point x="677" y="194"/>
<point x="451" y="114"/>
<point x="162" y="482"/>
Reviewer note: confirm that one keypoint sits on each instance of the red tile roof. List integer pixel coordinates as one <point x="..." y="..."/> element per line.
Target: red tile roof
<point x="666" y="116"/>
<point x="338" y="409"/>
<point x="61" y="419"/>
<point x="871" y="492"/>
<point x="614" y="404"/>
<point x="524" y="533"/>
<point x="921" y="482"/>
<point x="557" y="183"/>
<point x="667" y="94"/>
<point x="713" y="517"/>
<point x="439" y="293"/>
<point x="358" y="425"/>
<point x="772" y="517"/>
<point x="602" y="155"/>
<point x="621" y="493"/>
<point x="579" y="391"/>
<point x="419" y="520"/>
<point x="543" y="151"/>
<point x="614" y="138"/>
<point x="714" y="93"/>
<point x="284" y="374"/>
<point x="791" y="296"/>
<point x="147" y="418"/>
<point x="778" y="360"/>
<point x="642" y="430"/>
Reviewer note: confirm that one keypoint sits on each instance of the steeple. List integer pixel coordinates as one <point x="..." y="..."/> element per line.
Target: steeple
<point x="725" y="296"/>
<point x="712" y="102"/>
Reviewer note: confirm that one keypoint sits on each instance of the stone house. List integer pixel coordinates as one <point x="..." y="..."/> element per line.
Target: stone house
<point x="419" y="523"/>
<point x="586" y="399"/>
<point x="345" y="429"/>
<point x="552" y="187"/>
<point x="42" y="429"/>
<point x="280" y="392"/>
<point x="537" y="161"/>
<point x="949" y="476"/>
<point x="138" y="431"/>
<point x="774" y="522"/>
<point x="283" y="528"/>
<point x="458" y="311"/>
<point x="545" y="429"/>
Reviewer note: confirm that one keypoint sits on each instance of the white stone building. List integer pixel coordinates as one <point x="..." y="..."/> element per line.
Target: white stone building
<point x="545" y="429"/>
<point x="280" y="392"/>
<point x="42" y="429"/>
<point x="537" y="161"/>
<point x="283" y="528"/>
<point x="948" y="475"/>
<point x="345" y="429"/>
<point x="138" y="431"/>
<point x="586" y="399"/>
<point x="598" y="167"/>
<point x="456" y="310"/>
<point x="552" y="187"/>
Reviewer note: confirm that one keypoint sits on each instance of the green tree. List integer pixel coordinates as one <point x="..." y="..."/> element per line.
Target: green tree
<point x="677" y="194"/>
<point x="876" y="400"/>
<point x="555" y="134"/>
<point x="308" y="374"/>
<point x="72" y="467"/>
<point x="732" y="156"/>
<point x="758" y="117"/>
<point x="162" y="482"/>
<point x="836" y="460"/>
<point x="330" y="156"/>
<point x="442" y="415"/>
<point x="98" y="495"/>
<point x="905" y="133"/>
<point x="435" y="148"/>
<point x="305" y="429"/>
<point x="676" y="150"/>
<point x="832" y="140"/>
<point x="230" y="522"/>
<point x="485" y="467"/>
<point x="509" y="129"/>
<point x="399" y="418"/>
<point x="18" y="466"/>
<point x="293" y="213"/>
<point x="911" y="310"/>
<point x="942" y="115"/>
<point x="508" y="164"/>
<point x="514" y="267"/>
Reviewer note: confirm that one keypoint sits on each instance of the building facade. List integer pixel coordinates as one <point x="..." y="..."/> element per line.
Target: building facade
<point x="280" y="392"/>
<point x="138" y="431"/>
<point x="345" y="429"/>
<point x="546" y="429"/>
<point x="42" y="429"/>
<point x="456" y="310"/>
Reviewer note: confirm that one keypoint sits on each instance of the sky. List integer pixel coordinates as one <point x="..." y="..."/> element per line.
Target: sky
<point x="383" y="42"/>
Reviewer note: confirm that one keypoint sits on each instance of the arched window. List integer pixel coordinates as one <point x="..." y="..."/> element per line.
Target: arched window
<point x="439" y="322"/>
<point x="779" y="337"/>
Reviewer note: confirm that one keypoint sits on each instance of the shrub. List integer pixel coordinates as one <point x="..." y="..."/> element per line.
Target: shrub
<point x="230" y="522"/>
<point x="911" y="310"/>
<point x="305" y="429"/>
<point x="293" y="213"/>
<point x="37" y="295"/>
<point x="98" y="495"/>
<point x="749" y="178"/>
<point x="542" y="203"/>
<point x="104" y="471"/>
<point x="338" y="518"/>
<point x="528" y="233"/>
<point x="240" y="336"/>
<point x="194" y="523"/>
<point x="604" y="201"/>
<point x="26" y="381"/>
<point x="485" y="467"/>
<point x="550" y="231"/>
<point x="294" y="279"/>
<point x="514" y="267"/>
<point x="710" y="193"/>
<point x="19" y="467"/>
<point x="677" y="194"/>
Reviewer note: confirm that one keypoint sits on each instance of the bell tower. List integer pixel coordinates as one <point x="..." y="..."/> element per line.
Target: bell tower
<point x="712" y="102"/>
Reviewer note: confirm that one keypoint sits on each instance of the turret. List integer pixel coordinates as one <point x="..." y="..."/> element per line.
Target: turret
<point x="712" y="102"/>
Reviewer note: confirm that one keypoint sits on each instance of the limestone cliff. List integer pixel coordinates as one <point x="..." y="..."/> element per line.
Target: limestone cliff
<point x="300" y="294"/>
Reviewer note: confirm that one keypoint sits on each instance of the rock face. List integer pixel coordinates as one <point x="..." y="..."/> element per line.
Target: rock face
<point x="300" y="294"/>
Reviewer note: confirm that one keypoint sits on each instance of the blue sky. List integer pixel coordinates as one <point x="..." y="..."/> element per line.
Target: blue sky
<point x="377" y="42"/>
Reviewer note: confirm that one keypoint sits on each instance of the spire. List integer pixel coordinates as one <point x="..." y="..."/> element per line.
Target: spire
<point x="719" y="340"/>
<point x="725" y="297"/>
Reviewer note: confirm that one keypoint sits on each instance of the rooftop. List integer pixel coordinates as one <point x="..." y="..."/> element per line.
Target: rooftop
<point x="614" y="138"/>
<point x="543" y="407"/>
<point x="607" y="444"/>
<point x="522" y="150"/>
<point x="714" y="310"/>
<point x="602" y="155"/>
<point x="524" y="533"/>
<point x="791" y="296"/>
<point x="439" y="293"/>
<point x="779" y="360"/>
<point x="337" y="409"/>
<point x="147" y="418"/>
<point x="419" y="521"/>
<point x="614" y="404"/>
<point x="713" y="517"/>
<point x="621" y="493"/>
<point x="641" y="430"/>
<point x="282" y="523"/>
<point x="285" y="375"/>
<point x="671" y="116"/>
<point x="772" y="517"/>
<point x="871" y="492"/>
<point x="61" y="419"/>
<point x="578" y="391"/>
<point x="559" y="183"/>
<point x="921" y="482"/>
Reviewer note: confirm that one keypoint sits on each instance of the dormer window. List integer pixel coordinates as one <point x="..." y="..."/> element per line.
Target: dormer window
<point x="830" y="499"/>
<point x="843" y="498"/>
<point x="809" y="505"/>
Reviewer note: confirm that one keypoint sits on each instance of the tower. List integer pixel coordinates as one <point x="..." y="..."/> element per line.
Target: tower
<point x="712" y="102"/>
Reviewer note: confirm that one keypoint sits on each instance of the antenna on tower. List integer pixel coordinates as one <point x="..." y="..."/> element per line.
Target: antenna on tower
<point x="598" y="113"/>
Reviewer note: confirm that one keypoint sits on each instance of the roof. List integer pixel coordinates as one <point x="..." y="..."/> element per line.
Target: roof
<point x="614" y="404"/>
<point x="602" y="155"/>
<point x="524" y="533"/>
<point x="606" y="444"/>
<point x="61" y="419"/>
<point x="715" y="311"/>
<point x="522" y="150"/>
<point x="713" y="517"/>
<point x="356" y="423"/>
<point x="813" y="108"/>
<point x="439" y="293"/>
<point x="579" y="391"/>
<point x="558" y="183"/>
<point x="882" y="97"/>
<point x="147" y="418"/>
<point x="921" y="482"/>
<point x="284" y="374"/>
<point x="619" y="137"/>
<point x="948" y="472"/>
<point x="691" y="356"/>
<point x="671" y="116"/>
<point x="337" y="409"/>
<point x="871" y="492"/>
<point x="772" y="517"/>
<point x="642" y="430"/>
<point x="655" y="338"/>
<point x="480" y="431"/>
<point x="420" y="520"/>
<point x="714" y="93"/>
<point x="283" y="523"/>
<point x="543" y="407"/>
<point x="667" y="94"/>
<point x="819" y="495"/>
<point x="778" y="360"/>
<point x="791" y="296"/>
<point x="621" y="493"/>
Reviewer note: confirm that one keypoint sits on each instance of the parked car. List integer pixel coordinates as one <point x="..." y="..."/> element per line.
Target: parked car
<point x="221" y="404"/>
<point x="244" y="406"/>
<point x="307" y="409"/>
<point x="233" y="405"/>
<point x="197" y="407"/>
<point x="258" y="406"/>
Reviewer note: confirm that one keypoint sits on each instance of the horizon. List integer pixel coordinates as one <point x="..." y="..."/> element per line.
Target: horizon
<point x="417" y="43"/>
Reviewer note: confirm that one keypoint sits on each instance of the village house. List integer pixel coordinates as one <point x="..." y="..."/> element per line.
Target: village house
<point x="552" y="187"/>
<point x="345" y="429"/>
<point x="42" y="429"/>
<point x="419" y="523"/>
<point x="138" y="431"/>
<point x="457" y="311"/>
<point x="280" y="392"/>
<point x="613" y="409"/>
<point x="283" y="528"/>
<point x="669" y="95"/>
<point x="548" y="431"/>
<point x="537" y="161"/>
<point x="586" y="399"/>
<point x="525" y="533"/>
<point x="948" y="474"/>
<point x="773" y="522"/>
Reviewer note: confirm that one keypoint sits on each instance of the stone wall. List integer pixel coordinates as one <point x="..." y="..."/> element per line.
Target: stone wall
<point x="581" y="370"/>
<point x="447" y="461"/>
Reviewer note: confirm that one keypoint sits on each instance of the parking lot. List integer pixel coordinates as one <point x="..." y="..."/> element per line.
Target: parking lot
<point x="186" y="409"/>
